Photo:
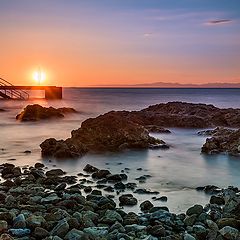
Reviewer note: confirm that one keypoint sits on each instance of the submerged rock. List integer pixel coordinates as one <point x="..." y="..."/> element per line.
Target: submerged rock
<point x="36" y="112"/>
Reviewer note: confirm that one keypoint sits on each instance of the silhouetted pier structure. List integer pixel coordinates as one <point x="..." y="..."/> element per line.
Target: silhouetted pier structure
<point x="10" y="91"/>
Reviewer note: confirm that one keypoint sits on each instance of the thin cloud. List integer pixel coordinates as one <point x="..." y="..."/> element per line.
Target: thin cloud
<point x="218" y="22"/>
<point x="148" y="35"/>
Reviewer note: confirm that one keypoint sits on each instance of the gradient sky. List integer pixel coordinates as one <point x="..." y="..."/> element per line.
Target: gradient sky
<point x="95" y="42"/>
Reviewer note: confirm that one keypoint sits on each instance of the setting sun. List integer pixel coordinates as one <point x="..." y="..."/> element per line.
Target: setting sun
<point x="39" y="76"/>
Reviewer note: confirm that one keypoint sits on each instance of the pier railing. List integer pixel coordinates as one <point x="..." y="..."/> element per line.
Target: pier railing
<point x="11" y="93"/>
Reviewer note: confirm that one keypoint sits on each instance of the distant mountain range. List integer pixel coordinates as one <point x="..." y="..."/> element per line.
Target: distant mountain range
<point x="176" y="85"/>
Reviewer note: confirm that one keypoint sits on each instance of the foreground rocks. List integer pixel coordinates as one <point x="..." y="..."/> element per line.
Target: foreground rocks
<point x="37" y="112"/>
<point x="51" y="205"/>
<point x="222" y="141"/>
<point x="108" y="132"/>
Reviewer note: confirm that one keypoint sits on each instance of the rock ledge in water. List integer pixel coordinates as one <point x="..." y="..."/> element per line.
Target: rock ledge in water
<point x="36" y="112"/>
<point x="108" y="132"/>
<point x="223" y="141"/>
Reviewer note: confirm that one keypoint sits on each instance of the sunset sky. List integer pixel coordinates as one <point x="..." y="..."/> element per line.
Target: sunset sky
<point x="115" y="42"/>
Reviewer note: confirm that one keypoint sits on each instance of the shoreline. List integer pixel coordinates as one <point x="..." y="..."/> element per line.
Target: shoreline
<point x="43" y="204"/>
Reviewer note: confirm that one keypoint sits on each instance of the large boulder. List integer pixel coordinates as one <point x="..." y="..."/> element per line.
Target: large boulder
<point x="223" y="141"/>
<point x="111" y="132"/>
<point x="62" y="149"/>
<point x="36" y="112"/>
<point x="108" y="132"/>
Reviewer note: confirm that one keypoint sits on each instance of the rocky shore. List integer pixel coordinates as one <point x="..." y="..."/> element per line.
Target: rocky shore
<point x="37" y="203"/>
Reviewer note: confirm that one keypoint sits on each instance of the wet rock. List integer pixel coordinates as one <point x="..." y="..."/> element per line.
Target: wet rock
<point x="96" y="231"/>
<point x="200" y="231"/>
<point x="39" y="165"/>
<point x="146" y="206"/>
<point x="127" y="200"/>
<point x="156" y="129"/>
<point x="19" y="221"/>
<point x="163" y="199"/>
<point x="130" y="218"/>
<point x="7" y="216"/>
<point x="119" y="186"/>
<point x="196" y="209"/>
<point x="20" y="232"/>
<point x="3" y="226"/>
<point x="55" y="172"/>
<point x="36" y="112"/>
<point x="101" y="174"/>
<point x="6" y="236"/>
<point x="229" y="233"/>
<point x="228" y="143"/>
<point x="188" y="237"/>
<point x="90" y="169"/>
<point x="61" y="186"/>
<point x="40" y="233"/>
<point x="156" y="231"/>
<point x="145" y="191"/>
<point x="34" y="221"/>
<point x="217" y="200"/>
<point x="232" y="222"/>
<point x="111" y="217"/>
<point x="61" y="229"/>
<point x="52" y="198"/>
<point x="114" y="178"/>
<point x="75" y="234"/>
<point x="61" y="149"/>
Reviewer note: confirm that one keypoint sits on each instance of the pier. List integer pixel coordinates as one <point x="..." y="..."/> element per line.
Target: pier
<point x="9" y="91"/>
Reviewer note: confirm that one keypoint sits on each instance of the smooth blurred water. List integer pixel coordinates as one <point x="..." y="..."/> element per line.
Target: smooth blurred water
<point x="175" y="172"/>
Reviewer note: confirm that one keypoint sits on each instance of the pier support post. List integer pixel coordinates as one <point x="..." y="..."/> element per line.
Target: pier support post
<point x="53" y="92"/>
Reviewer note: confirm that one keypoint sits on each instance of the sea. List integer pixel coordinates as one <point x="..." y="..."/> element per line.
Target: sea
<point x="175" y="172"/>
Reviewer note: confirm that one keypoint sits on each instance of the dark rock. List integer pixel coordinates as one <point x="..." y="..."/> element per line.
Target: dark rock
<point x="127" y="200"/>
<point x="163" y="199"/>
<point x="156" y="129"/>
<point x="146" y="205"/>
<point x="87" y="189"/>
<point x="108" y="132"/>
<point x="217" y="200"/>
<point x="196" y="209"/>
<point x="101" y="174"/>
<point x="119" y="186"/>
<point x="55" y="172"/>
<point x="62" y="149"/>
<point x="61" y="186"/>
<point x="223" y="141"/>
<point x="27" y="152"/>
<point x="36" y="112"/>
<point x="145" y="191"/>
<point x="90" y="169"/>
<point x="156" y="231"/>
<point x="39" y="165"/>
<point x="40" y="233"/>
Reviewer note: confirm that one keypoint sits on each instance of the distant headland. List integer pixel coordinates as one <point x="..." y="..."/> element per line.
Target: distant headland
<point x="172" y="85"/>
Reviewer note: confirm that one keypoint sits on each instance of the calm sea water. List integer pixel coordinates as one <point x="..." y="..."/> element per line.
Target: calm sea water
<point x="175" y="172"/>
